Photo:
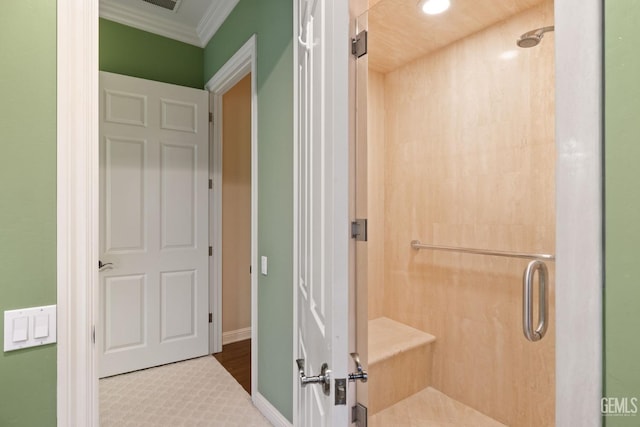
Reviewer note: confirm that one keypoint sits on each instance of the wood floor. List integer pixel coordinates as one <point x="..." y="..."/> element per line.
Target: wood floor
<point x="236" y="359"/>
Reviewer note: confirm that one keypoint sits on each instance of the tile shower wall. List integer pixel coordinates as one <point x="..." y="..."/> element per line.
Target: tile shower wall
<point x="469" y="160"/>
<point x="375" y="190"/>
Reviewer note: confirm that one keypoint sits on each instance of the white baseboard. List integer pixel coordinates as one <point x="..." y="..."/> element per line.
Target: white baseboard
<point x="237" y="335"/>
<point x="270" y="412"/>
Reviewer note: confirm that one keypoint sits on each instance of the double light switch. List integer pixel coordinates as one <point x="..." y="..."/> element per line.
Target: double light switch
<point x="29" y="327"/>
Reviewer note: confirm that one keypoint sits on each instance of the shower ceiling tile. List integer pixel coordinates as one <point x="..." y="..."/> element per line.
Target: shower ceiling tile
<point x="399" y="32"/>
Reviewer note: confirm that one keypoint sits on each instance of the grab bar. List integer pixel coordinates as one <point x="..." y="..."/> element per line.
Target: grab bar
<point x="416" y="244"/>
<point x="527" y="284"/>
<point x="527" y="301"/>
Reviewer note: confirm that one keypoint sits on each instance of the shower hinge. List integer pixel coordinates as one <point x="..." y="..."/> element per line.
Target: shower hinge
<point x="359" y="415"/>
<point x="210" y="184"/>
<point x="210" y="317"/>
<point x="359" y="230"/>
<point x="210" y="250"/>
<point x="359" y="44"/>
<point x="210" y="117"/>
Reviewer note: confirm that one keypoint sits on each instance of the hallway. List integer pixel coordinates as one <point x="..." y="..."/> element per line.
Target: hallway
<point x="196" y="392"/>
<point x="235" y="357"/>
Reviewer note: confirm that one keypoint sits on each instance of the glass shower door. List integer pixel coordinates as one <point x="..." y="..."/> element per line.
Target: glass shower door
<point x="456" y="147"/>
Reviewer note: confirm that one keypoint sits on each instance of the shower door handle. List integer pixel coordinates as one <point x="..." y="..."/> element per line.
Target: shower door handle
<point x="360" y="373"/>
<point x="527" y="301"/>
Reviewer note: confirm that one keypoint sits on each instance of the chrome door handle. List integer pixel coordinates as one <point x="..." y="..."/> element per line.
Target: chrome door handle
<point x="324" y="378"/>
<point x="527" y="301"/>
<point x="360" y="373"/>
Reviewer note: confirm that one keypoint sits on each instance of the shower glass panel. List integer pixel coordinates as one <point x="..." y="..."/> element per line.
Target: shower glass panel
<point x="362" y="182"/>
<point x="455" y="149"/>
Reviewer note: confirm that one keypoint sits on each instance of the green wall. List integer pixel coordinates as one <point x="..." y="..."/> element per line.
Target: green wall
<point x="272" y="21"/>
<point x="622" y="204"/>
<point x="132" y="52"/>
<point x="28" y="176"/>
<point x="28" y="202"/>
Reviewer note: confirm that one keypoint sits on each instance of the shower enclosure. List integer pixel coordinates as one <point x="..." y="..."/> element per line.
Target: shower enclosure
<point x="456" y="177"/>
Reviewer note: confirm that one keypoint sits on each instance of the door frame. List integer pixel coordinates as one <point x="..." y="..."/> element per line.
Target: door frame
<point x="235" y="69"/>
<point x="77" y="211"/>
<point x="579" y="278"/>
<point x="578" y="128"/>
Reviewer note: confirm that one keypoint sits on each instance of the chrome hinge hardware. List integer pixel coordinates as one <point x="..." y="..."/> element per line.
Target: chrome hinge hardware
<point x="359" y="230"/>
<point x="359" y="415"/>
<point x="359" y="44"/>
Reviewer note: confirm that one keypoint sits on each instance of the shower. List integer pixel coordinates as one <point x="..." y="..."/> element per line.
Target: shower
<point x="448" y="325"/>
<point x="533" y="37"/>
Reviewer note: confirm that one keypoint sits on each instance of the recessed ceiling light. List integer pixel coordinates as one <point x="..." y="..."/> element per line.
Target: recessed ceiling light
<point x="509" y="54"/>
<point x="433" y="7"/>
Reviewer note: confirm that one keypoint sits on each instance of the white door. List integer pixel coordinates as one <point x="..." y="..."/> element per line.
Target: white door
<point x="321" y="201"/>
<point x="153" y="224"/>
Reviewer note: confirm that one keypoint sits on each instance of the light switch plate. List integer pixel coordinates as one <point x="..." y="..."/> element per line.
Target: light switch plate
<point x="263" y="265"/>
<point x="40" y="322"/>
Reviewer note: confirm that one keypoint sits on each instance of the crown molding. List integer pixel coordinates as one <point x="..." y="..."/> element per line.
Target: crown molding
<point x="215" y="16"/>
<point x="200" y="36"/>
<point x="163" y="27"/>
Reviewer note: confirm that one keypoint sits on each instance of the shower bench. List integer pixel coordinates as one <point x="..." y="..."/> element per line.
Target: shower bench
<point x="399" y="362"/>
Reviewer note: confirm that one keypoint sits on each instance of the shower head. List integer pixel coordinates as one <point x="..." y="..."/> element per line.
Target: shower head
<point x="533" y="37"/>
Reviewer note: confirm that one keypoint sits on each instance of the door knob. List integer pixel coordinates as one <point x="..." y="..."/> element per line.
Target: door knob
<point x="360" y="373"/>
<point x="101" y="264"/>
<point x="324" y="378"/>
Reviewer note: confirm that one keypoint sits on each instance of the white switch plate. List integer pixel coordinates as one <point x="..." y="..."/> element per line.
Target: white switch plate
<point x="263" y="265"/>
<point x="44" y="327"/>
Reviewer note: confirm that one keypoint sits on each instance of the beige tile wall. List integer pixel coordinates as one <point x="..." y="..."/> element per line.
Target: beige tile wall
<point x="469" y="160"/>
<point x="375" y="192"/>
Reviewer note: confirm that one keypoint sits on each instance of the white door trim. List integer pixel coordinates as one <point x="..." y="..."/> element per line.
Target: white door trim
<point x="579" y="210"/>
<point x="295" y="30"/>
<point x="237" y="67"/>
<point x="77" y="212"/>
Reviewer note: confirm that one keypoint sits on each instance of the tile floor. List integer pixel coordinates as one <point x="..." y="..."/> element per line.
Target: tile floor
<point x="431" y="408"/>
